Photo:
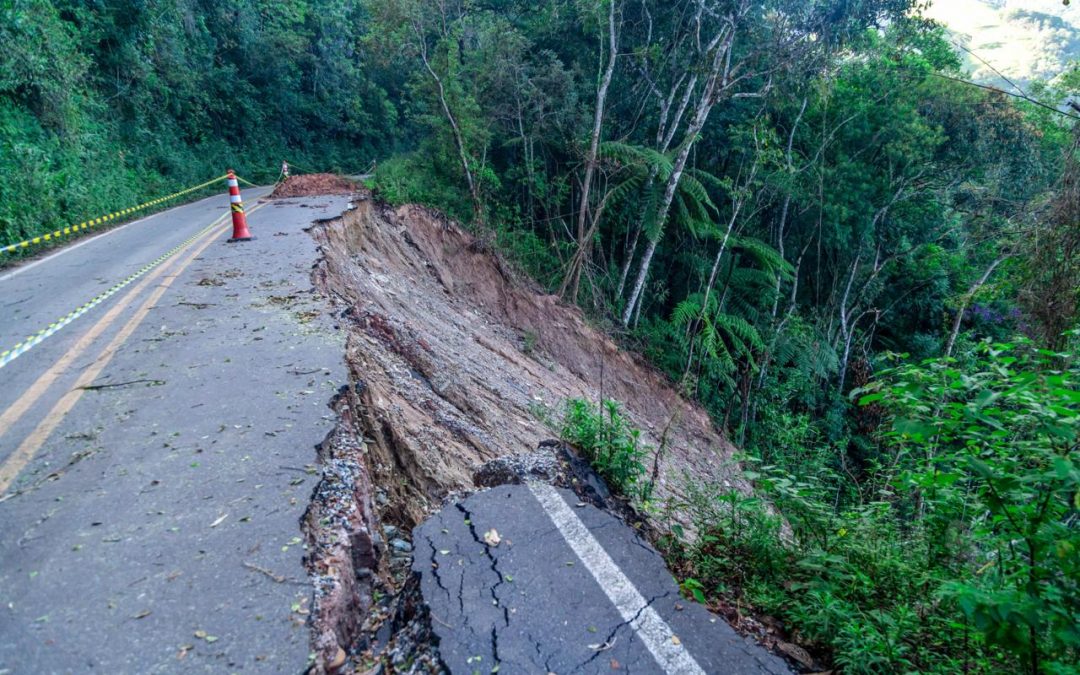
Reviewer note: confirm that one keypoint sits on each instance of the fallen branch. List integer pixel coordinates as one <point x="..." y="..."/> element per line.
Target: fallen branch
<point x="277" y="578"/>
<point x="305" y="372"/>
<point x="94" y="387"/>
<point x="432" y="615"/>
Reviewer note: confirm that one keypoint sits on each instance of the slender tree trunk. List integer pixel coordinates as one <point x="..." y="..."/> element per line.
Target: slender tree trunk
<point x="665" y="134"/>
<point x="781" y="227"/>
<point x="459" y="140"/>
<point x="692" y="328"/>
<point x="721" y="64"/>
<point x="630" y="251"/>
<point x="966" y="300"/>
<point x="572" y="279"/>
<point x="846" y="330"/>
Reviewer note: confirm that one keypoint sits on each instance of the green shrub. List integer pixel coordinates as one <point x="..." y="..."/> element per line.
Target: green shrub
<point x="610" y="444"/>
<point x="410" y="179"/>
<point x="958" y="552"/>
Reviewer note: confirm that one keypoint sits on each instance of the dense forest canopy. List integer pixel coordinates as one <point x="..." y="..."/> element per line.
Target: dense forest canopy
<point x="772" y="199"/>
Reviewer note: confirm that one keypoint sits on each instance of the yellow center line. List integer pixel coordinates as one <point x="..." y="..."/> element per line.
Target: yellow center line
<point x="42" y="384"/>
<point x="13" y="465"/>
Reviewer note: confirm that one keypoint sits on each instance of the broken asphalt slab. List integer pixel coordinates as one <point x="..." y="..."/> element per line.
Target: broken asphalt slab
<point x="528" y="579"/>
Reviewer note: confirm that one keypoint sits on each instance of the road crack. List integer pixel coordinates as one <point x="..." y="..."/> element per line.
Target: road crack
<point x="494" y="588"/>
<point x="618" y="627"/>
<point x="435" y="568"/>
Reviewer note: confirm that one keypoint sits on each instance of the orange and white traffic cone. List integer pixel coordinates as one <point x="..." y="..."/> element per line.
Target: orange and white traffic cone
<point x="240" y="230"/>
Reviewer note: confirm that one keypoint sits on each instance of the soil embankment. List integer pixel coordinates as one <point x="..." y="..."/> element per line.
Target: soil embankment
<point x="312" y="184"/>
<point x="454" y="361"/>
<point x="463" y="362"/>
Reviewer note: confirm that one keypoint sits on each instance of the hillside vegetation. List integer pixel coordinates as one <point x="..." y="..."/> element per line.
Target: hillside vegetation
<point x="104" y="105"/>
<point x="865" y="269"/>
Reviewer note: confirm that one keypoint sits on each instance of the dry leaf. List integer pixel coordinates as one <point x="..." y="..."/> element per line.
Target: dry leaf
<point x="796" y="653"/>
<point x="604" y="646"/>
<point x="339" y="660"/>
<point x="675" y="640"/>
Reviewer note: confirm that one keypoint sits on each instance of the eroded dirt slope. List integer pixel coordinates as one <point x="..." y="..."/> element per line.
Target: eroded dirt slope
<point x="312" y="184"/>
<point x="461" y="360"/>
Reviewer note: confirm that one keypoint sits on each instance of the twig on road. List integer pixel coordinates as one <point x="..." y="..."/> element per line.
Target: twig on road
<point x="277" y="578"/>
<point x="94" y="387"/>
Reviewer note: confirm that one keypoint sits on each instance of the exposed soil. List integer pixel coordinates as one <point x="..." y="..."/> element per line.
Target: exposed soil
<point x="455" y="362"/>
<point x="464" y="362"/>
<point x="312" y="184"/>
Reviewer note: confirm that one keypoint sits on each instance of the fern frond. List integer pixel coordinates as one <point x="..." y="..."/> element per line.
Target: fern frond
<point x="691" y="187"/>
<point x="626" y="189"/>
<point x="686" y="311"/>
<point x="763" y="254"/>
<point x="629" y="154"/>
<point x="710" y="180"/>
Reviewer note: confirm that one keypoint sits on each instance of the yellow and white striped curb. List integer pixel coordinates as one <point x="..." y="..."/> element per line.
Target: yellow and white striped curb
<point x="37" y="338"/>
<point x="11" y="248"/>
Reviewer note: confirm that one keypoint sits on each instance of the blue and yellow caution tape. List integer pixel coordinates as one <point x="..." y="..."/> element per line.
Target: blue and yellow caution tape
<point x="37" y="338"/>
<point x="72" y="229"/>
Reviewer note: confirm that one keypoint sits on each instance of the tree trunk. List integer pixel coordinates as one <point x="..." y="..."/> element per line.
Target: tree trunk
<point x="572" y="279"/>
<point x="665" y="134"/>
<point x="967" y="300"/>
<point x="459" y="140"/>
<point x="692" y="328"/>
<point x="720" y="65"/>
<point x="630" y="251"/>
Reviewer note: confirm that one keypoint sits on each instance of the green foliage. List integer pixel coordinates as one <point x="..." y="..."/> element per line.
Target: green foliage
<point x="611" y="445"/>
<point x="105" y="107"/>
<point x="998" y="439"/>
<point x="719" y="337"/>
<point x="957" y="552"/>
<point x="842" y="201"/>
<point x="406" y="179"/>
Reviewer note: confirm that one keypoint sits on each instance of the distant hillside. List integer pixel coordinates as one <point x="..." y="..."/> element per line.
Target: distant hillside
<point x="1024" y="39"/>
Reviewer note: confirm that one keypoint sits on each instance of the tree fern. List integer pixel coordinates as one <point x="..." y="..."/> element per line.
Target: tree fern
<point x="764" y="255"/>
<point x="694" y="208"/>
<point x="720" y="338"/>
<point x="630" y="155"/>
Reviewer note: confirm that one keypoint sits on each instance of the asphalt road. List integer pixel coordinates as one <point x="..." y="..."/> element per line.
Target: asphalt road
<point x="156" y="454"/>
<point x="527" y="579"/>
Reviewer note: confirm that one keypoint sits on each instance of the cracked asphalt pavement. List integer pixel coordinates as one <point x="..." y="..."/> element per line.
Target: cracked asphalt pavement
<point x="563" y="592"/>
<point x="150" y="521"/>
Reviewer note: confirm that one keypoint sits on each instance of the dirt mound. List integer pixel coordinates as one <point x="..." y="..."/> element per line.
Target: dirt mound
<point x="462" y="363"/>
<point x="312" y="184"/>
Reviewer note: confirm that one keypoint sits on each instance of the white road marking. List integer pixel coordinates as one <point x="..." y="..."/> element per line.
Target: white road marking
<point x="78" y="244"/>
<point x="643" y="619"/>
